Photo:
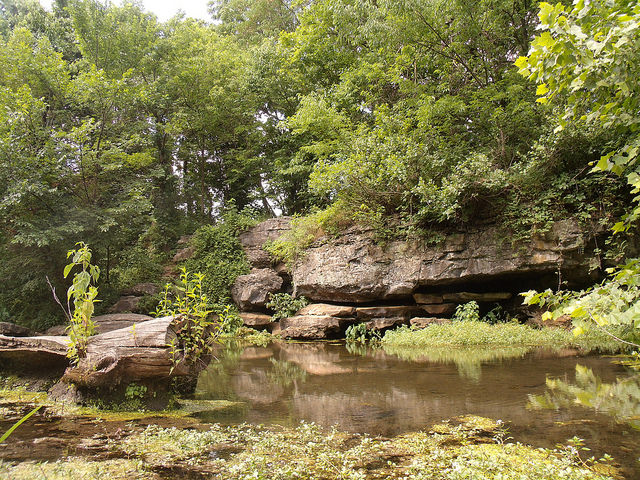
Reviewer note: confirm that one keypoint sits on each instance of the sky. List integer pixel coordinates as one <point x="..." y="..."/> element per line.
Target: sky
<point x="165" y="9"/>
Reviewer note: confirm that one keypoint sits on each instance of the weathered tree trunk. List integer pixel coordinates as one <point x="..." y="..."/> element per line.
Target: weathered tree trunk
<point x="34" y="353"/>
<point x="131" y="354"/>
<point x="140" y="352"/>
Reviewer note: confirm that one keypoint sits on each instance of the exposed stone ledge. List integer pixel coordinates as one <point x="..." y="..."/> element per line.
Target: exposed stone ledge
<point x="352" y="268"/>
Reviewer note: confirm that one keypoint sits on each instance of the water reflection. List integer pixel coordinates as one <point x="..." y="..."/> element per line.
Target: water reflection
<point x="619" y="399"/>
<point x="468" y="360"/>
<point x="381" y="391"/>
<point x="388" y="392"/>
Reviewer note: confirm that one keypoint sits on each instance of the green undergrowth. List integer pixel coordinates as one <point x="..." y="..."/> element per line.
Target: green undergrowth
<point x="245" y="336"/>
<point x="478" y="334"/>
<point x="218" y="254"/>
<point x="464" y="448"/>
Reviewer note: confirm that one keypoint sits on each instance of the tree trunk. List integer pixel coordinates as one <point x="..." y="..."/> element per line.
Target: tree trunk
<point x="136" y="353"/>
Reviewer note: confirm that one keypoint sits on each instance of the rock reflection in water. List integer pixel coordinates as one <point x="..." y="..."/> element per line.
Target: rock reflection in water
<point x="385" y="392"/>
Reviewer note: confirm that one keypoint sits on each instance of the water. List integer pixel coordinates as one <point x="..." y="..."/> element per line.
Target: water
<point x="391" y="392"/>
<point x="544" y="397"/>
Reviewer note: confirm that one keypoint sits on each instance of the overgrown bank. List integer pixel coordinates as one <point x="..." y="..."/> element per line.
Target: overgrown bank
<point x="480" y="334"/>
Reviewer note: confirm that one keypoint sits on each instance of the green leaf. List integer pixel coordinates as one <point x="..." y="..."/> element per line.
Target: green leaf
<point x="67" y="269"/>
<point x="542" y="89"/>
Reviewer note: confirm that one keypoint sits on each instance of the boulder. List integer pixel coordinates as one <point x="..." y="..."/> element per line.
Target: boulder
<point x="183" y="254"/>
<point x="401" y="311"/>
<point x="312" y="327"/>
<point x="251" y="292"/>
<point x="463" y="297"/>
<point x="254" y="239"/>
<point x="256" y="319"/>
<point x="13" y="330"/>
<point x="422" y="322"/>
<point x="352" y="268"/>
<point x="127" y="303"/>
<point x="325" y="309"/>
<point x="143" y="289"/>
<point x="428" y="298"/>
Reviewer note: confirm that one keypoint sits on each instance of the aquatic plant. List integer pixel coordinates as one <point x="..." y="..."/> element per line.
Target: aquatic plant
<point x="503" y="334"/>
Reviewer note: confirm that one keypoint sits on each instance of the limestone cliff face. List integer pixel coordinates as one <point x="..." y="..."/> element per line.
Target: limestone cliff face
<point x="353" y="268"/>
<point x="407" y="283"/>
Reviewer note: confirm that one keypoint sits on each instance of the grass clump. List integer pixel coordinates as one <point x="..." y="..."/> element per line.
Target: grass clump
<point x="477" y="334"/>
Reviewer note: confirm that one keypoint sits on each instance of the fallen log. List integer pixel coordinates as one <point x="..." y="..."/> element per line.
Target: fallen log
<point x="140" y="352"/>
<point x="34" y="353"/>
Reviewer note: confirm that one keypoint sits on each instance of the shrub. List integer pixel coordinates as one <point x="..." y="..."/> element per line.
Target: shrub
<point x="138" y="264"/>
<point x="468" y="312"/>
<point x="219" y="254"/>
<point x="284" y="305"/>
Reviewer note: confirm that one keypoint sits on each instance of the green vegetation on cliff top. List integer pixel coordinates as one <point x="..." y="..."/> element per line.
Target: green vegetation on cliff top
<point x="407" y="116"/>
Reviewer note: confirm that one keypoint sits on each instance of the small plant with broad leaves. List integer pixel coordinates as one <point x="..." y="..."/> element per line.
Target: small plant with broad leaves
<point x="195" y="330"/>
<point x="284" y="305"/>
<point x="83" y="294"/>
<point x="467" y="312"/>
<point x="359" y="333"/>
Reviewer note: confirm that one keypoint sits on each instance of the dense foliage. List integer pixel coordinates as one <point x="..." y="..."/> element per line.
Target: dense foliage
<point x="585" y="63"/>
<point x="406" y="116"/>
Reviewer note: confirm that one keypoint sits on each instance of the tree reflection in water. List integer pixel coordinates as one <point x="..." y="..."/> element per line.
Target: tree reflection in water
<point x="620" y="400"/>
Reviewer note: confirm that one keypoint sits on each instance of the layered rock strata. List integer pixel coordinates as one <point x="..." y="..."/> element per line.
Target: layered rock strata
<point x="352" y="279"/>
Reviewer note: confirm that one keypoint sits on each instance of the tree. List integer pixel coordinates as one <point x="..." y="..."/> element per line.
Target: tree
<point x="587" y="62"/>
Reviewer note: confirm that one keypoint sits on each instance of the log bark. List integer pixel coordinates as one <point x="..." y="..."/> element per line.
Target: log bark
<point x="140" y="352"/>
<point x="34" y="353"/>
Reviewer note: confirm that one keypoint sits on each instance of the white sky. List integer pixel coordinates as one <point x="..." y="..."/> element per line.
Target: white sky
<point x="165" y="9"/>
